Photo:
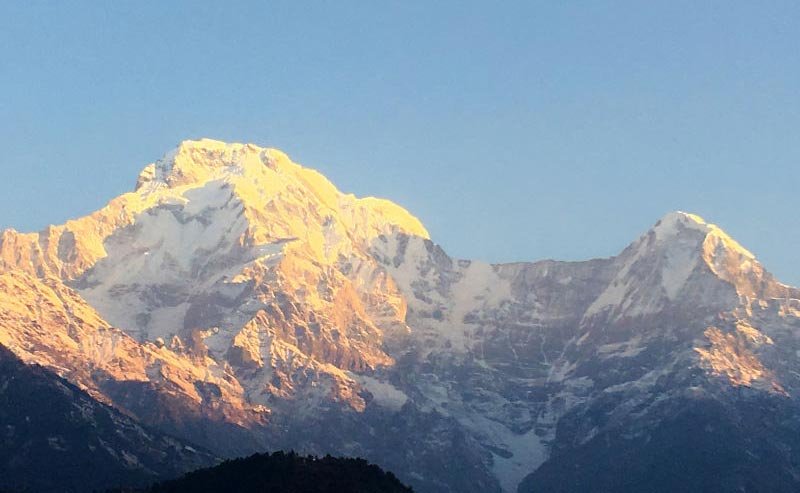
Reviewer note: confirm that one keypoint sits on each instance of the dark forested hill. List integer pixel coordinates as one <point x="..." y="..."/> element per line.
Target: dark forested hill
<point x="286" y="473"/>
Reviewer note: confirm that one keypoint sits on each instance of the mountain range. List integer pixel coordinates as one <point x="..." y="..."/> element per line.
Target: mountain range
<point x="236" y="302"/>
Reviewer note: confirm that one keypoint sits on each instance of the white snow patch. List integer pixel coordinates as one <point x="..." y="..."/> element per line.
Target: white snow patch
<point x="627" y="349"/>
<point x="680" y="263"/>
<point x="613" y="295"/>
<point x="166" y="321"/>
<point x="528" y="452"/>
<point x="385" y="394"/>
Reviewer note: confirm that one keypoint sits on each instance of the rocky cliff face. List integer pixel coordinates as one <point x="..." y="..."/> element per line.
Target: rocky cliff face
<point x="241" y="300"/>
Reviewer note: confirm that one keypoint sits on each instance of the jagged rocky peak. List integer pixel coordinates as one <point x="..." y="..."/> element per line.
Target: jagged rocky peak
<point x="694" y="232"/>
<point x="201" y="182"/>
<point x="684" y="260"/>
<point x="271" y="187"/>
<point x="198" y="161"/>
<point x="722" y="254"/>
<point x="714" y="241"/>
<point x="245" y="255"/>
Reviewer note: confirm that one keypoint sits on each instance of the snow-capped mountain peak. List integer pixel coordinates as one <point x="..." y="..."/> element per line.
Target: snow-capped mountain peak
<point x="674" y="223"/>
<point x="682" y="259"/>
<point x="271" y="187"/>
<point x="194" y="162"/>
<point x="719" y="252"/>
<point x="241" y="300"/>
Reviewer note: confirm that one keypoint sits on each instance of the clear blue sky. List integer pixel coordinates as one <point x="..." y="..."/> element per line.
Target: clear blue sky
<point x="515" y="131"/>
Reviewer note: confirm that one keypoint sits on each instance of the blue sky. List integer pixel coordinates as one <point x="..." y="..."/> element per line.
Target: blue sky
<point x="514" y="130"/>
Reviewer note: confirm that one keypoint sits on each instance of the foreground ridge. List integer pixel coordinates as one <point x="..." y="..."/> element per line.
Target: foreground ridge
<point x="285" y="472"/>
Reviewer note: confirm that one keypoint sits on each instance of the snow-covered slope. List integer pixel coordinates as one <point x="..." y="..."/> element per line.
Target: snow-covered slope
<point x="242" y="301"/>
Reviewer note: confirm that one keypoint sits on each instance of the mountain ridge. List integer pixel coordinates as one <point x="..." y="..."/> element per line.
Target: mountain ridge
<point x="241" y="301"/>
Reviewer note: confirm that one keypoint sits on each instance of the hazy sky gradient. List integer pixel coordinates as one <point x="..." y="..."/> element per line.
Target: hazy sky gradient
<point x="514" y="131"/>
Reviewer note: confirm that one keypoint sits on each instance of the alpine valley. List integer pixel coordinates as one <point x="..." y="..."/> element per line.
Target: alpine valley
<point x="236" y="302"/>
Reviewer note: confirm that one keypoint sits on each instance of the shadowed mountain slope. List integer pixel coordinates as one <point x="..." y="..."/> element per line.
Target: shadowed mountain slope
<point x="56" y="438"/>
